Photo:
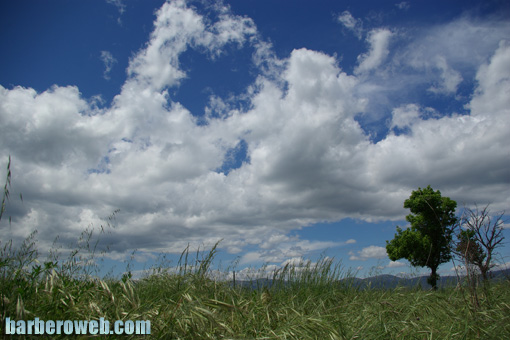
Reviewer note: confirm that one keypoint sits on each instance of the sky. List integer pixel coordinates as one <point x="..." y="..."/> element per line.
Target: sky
<point x="284" y="130"/>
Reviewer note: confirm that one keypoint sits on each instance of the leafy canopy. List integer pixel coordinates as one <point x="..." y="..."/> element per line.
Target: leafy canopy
<point x="427" y="242"/>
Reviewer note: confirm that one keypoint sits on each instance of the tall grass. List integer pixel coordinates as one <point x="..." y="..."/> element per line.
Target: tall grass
<point x="303" y="301"/>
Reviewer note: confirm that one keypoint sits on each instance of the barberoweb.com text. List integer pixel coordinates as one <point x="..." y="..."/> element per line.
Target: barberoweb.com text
<point x="79" y="327"/>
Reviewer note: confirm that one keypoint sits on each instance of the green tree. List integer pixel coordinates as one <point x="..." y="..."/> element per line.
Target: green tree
<point x="427" y="242"/>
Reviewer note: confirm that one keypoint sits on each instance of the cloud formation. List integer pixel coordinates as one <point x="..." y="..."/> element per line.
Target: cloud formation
<point x="352" y="24"/>
<point x="396" y="264"/>
<point x="108" y="61"/>
<point x="371" y="252"/>
<point x="308" y="158"/>
<point x="404" y="5"/>
<point x="379" y="40"/>
<point x="121" y="7"/>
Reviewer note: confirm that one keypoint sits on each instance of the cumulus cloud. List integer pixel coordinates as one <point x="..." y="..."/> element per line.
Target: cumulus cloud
<point x="178" y="28"/>
<point x="308" y="159"/>
<point x="175" y="28"/>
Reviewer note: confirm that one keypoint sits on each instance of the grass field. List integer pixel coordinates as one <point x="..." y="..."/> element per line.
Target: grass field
<point x="303" y="302"/>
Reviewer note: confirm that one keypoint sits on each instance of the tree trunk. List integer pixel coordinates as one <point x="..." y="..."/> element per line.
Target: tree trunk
<point x="432" y="280"/>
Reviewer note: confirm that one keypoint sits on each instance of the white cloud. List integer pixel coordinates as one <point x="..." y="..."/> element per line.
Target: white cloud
<point x="405" y="116"/>
<point x="501" y="266"/>
<point x="442" y="56"/>
<point x="353" y="256"/>
<point x="157" y="65"/>
<point x="404" y="5"/>
<point x="351" y="241"/>
<point x="267" y="61"/>
<point x="296" y="262"/>
<point x="119" y="4"/>
<point x="371" y="252"/>
<point x="450" y="79"/>
<point x="281" y="248"/>
<point x="396" y="264"/>
<point x="108" y="60"/>
<point x="491" y="95"/>
<point x="177" y="28"/>
<point x="379" y="40"/>
<point x="228" y="29"/>
<point x="249" y="274"/>
<point x="121" y="7"/>
<point x="354" y="25"/>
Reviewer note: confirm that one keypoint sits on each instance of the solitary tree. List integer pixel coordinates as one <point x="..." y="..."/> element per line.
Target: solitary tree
<point x="480" y="234"/>
<point x="427" y="242"/>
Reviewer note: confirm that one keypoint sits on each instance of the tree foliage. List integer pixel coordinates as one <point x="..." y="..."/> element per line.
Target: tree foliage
<point x="427" y="242"/>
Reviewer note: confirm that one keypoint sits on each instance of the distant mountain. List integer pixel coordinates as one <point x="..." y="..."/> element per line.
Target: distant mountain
<point x="392" y="281"/>
<point x="384" y="281"/>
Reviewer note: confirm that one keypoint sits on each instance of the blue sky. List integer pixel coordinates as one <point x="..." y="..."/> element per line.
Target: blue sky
<point x="285" y="131"/>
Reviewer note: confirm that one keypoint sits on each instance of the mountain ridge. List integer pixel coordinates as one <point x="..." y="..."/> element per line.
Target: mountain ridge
<point x="384" y="281"/>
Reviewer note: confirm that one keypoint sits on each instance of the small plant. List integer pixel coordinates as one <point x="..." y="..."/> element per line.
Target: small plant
<point x="7" y="185"/>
